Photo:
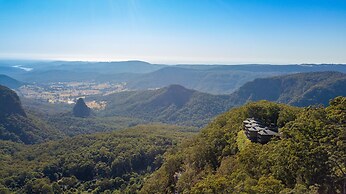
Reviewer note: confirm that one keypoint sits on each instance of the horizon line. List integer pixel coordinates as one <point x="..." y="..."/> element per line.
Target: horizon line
<point x="164" y="63"/>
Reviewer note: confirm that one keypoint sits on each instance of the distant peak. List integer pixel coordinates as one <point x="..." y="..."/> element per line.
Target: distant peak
<point x="81" y="109"/>
<point x="173" y="94"/>
<point x="176" y="87"/>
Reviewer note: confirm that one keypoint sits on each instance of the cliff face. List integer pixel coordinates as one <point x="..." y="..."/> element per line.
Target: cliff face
<point x="81" y="109"/>
<point x="10" y="103"/>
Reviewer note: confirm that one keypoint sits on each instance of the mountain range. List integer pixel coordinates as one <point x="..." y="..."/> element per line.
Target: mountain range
<point x="176" y="104"/>
<point x="219" y="79"/>
<point x="214" y="79"/>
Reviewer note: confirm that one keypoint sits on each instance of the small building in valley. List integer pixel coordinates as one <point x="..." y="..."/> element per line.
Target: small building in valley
<point x="256" y="131"/>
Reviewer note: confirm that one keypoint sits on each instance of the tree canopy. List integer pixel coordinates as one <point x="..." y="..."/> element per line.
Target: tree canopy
<point x="308" y="158"/>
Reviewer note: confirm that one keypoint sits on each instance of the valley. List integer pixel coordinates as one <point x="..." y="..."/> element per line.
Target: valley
<point x="172" y="97"/>
<point x="158" y="135"/>
<point x="69" y="92"/>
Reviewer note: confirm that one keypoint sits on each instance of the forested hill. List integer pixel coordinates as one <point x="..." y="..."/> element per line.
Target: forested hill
<point x="173" y="104"/>
<point x="302" y="89"/>
<point x="17" y="126"/>
<point x="308" y="158"/>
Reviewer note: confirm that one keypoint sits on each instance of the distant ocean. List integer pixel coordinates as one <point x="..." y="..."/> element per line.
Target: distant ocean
<point x="23" y="68"/>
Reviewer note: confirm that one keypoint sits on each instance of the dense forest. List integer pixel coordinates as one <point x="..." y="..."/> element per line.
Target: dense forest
<point x="71" y="126"/>
<point x="309" y="157"/>
<point x="104" y="162"/>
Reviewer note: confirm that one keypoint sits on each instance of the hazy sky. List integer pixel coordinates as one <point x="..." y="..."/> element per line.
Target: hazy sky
<point x="175" y="31"/>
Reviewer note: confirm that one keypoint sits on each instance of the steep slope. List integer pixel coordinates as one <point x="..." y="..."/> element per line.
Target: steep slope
<point x="16" y="126"/>
<point x="173" y="104"/>
<point x="308" y="158"/>
<point x="10" y="103"/>
<point x="300" y="89"/>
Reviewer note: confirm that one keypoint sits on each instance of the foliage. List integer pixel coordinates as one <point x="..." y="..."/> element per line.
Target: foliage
<point x="308" y="158"/>
<point x="27" y="130"/>
<point x="117" y="161"/>
<point x="72" y="126"/>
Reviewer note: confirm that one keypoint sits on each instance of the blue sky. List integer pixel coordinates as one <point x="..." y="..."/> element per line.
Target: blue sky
<point x="175" y="31"/>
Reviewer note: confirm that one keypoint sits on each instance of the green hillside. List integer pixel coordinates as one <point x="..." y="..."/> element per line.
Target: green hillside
<point x="117" y="161"/>
<point x="309" y="158"/>
<point x="302" y="89"/>
<point x="174" y="104"/>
